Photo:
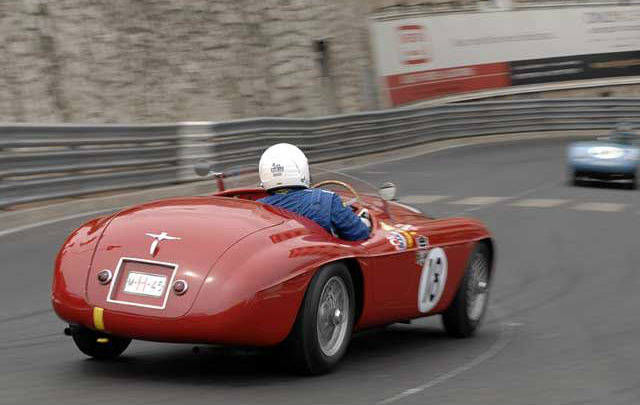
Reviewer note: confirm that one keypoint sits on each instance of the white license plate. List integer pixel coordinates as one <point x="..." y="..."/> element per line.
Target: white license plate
<point x="145" y="284"/>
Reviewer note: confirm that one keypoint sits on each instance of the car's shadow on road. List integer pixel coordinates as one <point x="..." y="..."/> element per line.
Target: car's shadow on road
<point x="178" y="364"/>
<point x="603" y="184"/>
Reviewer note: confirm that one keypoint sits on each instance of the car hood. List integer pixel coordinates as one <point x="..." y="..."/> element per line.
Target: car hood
<point x="588" y="144"/>
<point x="603" y="150"/>
<point x="179" y="239"/>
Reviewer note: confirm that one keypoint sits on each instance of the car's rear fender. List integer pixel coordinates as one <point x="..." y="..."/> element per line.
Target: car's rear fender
<point x="268" y="273"/>
<point x="71" y="268"/>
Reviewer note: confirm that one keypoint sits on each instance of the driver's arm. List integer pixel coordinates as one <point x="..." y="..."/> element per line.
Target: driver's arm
<point x="345" y="222"/>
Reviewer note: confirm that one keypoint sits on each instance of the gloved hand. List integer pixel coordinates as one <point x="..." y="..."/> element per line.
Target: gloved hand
<point x="365" y="217"/>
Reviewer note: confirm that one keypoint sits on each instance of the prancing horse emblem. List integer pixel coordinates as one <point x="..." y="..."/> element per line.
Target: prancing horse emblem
<point x="159" y="238"/>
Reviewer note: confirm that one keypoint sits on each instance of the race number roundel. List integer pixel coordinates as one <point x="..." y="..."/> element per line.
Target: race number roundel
<point x="433" y="280"/>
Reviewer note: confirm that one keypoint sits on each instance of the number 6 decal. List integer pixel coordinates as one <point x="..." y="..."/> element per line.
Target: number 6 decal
<point x="432" y="280"/>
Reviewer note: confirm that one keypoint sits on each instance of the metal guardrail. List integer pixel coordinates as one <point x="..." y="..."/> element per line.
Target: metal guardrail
<point x="531" y="89"/>
<point x="41" y="162"/>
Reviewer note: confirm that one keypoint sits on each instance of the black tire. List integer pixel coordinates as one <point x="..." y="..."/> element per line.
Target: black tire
<point x="304" y="341"/>
<point x="575" y="179"/>
<point x="633" y="184"/>
<point x="87" y="342"/>
<point x="456" y="319"/>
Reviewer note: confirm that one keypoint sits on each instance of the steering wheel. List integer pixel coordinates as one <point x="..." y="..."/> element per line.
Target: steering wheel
<point x="342" y="184"/>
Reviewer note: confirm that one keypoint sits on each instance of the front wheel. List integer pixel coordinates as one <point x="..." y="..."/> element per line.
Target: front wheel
<point x="464" y="314"/>
<point x="99" y="345"/>
<point x="322" y="331"/>
<point x="575" y="179"/>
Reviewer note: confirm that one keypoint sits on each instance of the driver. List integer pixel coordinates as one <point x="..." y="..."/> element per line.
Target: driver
<point x="284" y="173"/>
<point x="624" y="133"/>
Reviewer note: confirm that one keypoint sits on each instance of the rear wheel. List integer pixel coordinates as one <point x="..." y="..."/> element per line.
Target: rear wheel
<point x="466" y="311"/>
<point x="322" y="331"/>
<point x="99" y="345"/>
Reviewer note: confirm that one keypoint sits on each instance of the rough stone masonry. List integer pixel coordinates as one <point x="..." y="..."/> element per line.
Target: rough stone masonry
<point x="132" y="61"/>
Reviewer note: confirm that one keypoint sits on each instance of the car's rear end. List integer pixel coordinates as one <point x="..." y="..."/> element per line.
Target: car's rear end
<point x="173" y="271"/>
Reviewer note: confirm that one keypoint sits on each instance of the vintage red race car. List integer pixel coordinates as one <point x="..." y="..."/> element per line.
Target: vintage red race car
<point x="225" y="269"/>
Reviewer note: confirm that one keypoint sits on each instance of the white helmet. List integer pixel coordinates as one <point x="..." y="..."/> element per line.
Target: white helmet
<point x="283" y="165"/>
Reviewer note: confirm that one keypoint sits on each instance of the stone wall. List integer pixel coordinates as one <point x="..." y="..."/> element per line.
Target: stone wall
<point x="164" y="60"/>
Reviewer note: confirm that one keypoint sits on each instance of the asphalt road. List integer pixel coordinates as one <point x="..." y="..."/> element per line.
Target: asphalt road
<point x="563" y="325"/>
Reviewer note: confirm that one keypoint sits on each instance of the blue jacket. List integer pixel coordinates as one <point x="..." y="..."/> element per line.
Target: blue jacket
<point x="323" y="207"/>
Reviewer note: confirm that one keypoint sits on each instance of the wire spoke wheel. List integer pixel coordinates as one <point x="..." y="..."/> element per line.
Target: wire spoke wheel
<point x="470" y="303"/>
<point x="321" y="334"/>
<point x="331" y="323"/>
<point x="477" y="290"/>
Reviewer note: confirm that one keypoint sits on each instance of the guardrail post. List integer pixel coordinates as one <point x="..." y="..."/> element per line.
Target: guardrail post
<point x="194" y="142"/>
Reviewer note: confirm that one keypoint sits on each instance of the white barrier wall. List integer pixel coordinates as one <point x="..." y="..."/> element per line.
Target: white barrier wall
<point x="421" y="57"/>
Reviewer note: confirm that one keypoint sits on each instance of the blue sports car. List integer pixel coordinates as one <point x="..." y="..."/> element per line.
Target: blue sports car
<point x="614" y="158"/>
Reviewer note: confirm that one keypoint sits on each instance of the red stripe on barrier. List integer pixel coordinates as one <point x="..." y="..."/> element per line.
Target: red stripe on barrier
<point x="409" y="87"/>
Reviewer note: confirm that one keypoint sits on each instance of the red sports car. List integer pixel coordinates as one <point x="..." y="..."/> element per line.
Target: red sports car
<point x="226" y="269"/>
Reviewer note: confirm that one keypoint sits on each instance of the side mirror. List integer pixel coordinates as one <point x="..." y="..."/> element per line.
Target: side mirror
<point x="387" y="191"/>
<point x="202" y="167"/>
